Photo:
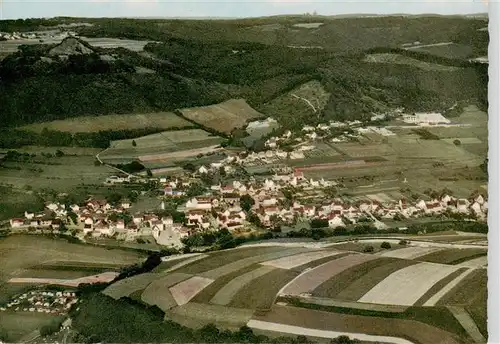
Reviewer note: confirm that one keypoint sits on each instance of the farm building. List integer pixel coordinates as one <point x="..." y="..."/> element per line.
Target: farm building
<point x="426" y="118"/>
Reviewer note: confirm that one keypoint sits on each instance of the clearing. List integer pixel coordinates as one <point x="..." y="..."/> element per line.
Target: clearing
<point x="223" y="117"/>
<point x="89" y="124"/>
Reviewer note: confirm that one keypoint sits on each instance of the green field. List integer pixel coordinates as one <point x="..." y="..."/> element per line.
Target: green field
<point x="160" y="120"/>
<point x="35" y="256"/>
<point x="20" y="324"/>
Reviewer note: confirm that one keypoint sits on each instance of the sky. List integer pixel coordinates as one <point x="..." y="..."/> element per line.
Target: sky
<point x="13" y="9"/>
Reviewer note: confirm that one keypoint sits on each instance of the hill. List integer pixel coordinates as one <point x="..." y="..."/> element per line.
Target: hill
<point x="271" y="287"/>
<point x="198" y="63"/>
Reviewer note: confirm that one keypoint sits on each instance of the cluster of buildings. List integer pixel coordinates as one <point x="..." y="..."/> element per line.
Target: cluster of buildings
<point x="37" y="301"/>
<point x="50" y="34"/>
<point x="222" y="209"/>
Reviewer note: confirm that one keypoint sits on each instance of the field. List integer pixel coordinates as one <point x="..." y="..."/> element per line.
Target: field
<point x="405" y="60"/>
<point x="22" y="254"/>
<point x="159" y="120"/>
<point x="25" y="257"/>
<point x="101" y="42"/>
<point x="63" y="174"/>
<point x="223" y="117"/>
<point x="163" y="146"/>
<point x="227" y="287"/>
<point x="453" y="256"/>
<point x="19" y="324"/>
<point x="352" y="324"/>
<point x="128" y="286"/>
<point x="451" y="50"/>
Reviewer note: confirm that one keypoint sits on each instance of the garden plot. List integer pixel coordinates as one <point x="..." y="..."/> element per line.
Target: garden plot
<point x="410" y="252"/>
<point x="186" y="290"/>
<point x="226" y="294"/>
<point x="223" y="117"/>
<point x="299" y="259"/>
<point x="356" y="150"/>
<point x="406" y="286"/>
<point x="436" y="297"/>
<point x="463" y="140"/>
<point x="242" y="263"/>
<point x="127" y="286"/>
<point x="311" y="279"/>
<point x="379" y="197"/>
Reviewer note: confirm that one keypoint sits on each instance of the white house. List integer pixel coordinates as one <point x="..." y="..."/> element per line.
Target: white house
<point x="335" y="221"/>
<point x="202" y="203"/>
<point x="16" y="223"/>
<point x="203" y="170"/>
<point x="29" y="216"/>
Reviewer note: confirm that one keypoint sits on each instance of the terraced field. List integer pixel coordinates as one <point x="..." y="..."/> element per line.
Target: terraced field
<point x="247" y="286"/>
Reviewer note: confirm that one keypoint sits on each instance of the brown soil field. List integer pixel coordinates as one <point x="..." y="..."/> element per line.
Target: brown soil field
<point x="358" y="247"/>
<point x="223" y="117"/>
<point x="218" y="259"/>
<point x="88" y="124"/>
<point x="335" y="285"/>
<point x="454" y="255"/>
<point x="253" y="296"/>
<point x="471" y="293"/>
<point x="355" y="290"/>
<point x="438" y="286"/>
<point x="168" y="264"/>
<point x="409" y="329"/>
<point x="209" y="292"/>
<point x="313" y="278"/>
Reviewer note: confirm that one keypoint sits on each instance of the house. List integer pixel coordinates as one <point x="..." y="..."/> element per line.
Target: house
<point x="203" y="203"/>
<point x="308" y="128"/>
<point x="479" y="199"/>
<point x="296" y="155"/>
<point x="29" y="216"/>
<point x="463" y="205"/>
<point x="312" y="136"/>
<point x="137" y="219"/>
<point x="16" y="223"/>
<point x="334" y="221"/>
<point x="126" y="204"/>
<point x="227" y="189"/>
<point x="194" y="217"/>
<point x="120" y="225"/>
<point x="268" y="201"/>
<point x="202" y="170"/>
<point x="270" y="185"/>
<point x="299" y="175"/>
<point x="75" y="208"/>
<point x="323" y="126"/>
<point x="231" y="198"/>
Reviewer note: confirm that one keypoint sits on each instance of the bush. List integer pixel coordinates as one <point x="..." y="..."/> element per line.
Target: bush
<point x="368" y="249"/>
<point x="49" y="329"/>
<point x="403" y="242"/>
<point x="385" y="245"/>
<point x="343" y="340"/>
<point x="457" y="142"/>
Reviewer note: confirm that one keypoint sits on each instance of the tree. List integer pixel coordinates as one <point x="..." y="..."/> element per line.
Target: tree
<point x="59" y="153"/>
<point x="385" y="245"/>
<point x="134" y="143"/>
<point x="189" y="167"/>
<point x="246" y="202"/>
<point x="368" y="249"/>
<point x="457" y="142"/>
<point x="319" y="223"/>
<point x="403" y="242"/>
<point x="114" y="198"/>
<point x="343" y="340"/>
<point x="222" y="171"/>
<point x="149" y="173"/>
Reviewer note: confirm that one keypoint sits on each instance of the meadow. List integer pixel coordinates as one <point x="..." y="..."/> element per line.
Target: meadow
<point x="223" y="117"/>
<point x="88" y="124"/>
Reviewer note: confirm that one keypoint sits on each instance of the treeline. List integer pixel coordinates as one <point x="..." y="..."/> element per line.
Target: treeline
<point x="16" y="138"/>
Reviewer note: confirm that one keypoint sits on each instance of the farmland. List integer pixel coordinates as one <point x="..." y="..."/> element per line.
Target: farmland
<point x="223" y="117"/>
<point x="159" y="120"/>
<point x="58" y="173"/>
<point x="168" y="145"/>
<point x="453" y="256"/>
<point x="243" y="284"/>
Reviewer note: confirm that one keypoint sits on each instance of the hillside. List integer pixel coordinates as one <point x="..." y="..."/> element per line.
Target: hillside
<point x="187" y="70"/>
<point x="402" y="292"/>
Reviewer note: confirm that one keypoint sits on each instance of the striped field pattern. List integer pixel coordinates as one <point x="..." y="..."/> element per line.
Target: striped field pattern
<point x="406" y="286"/>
